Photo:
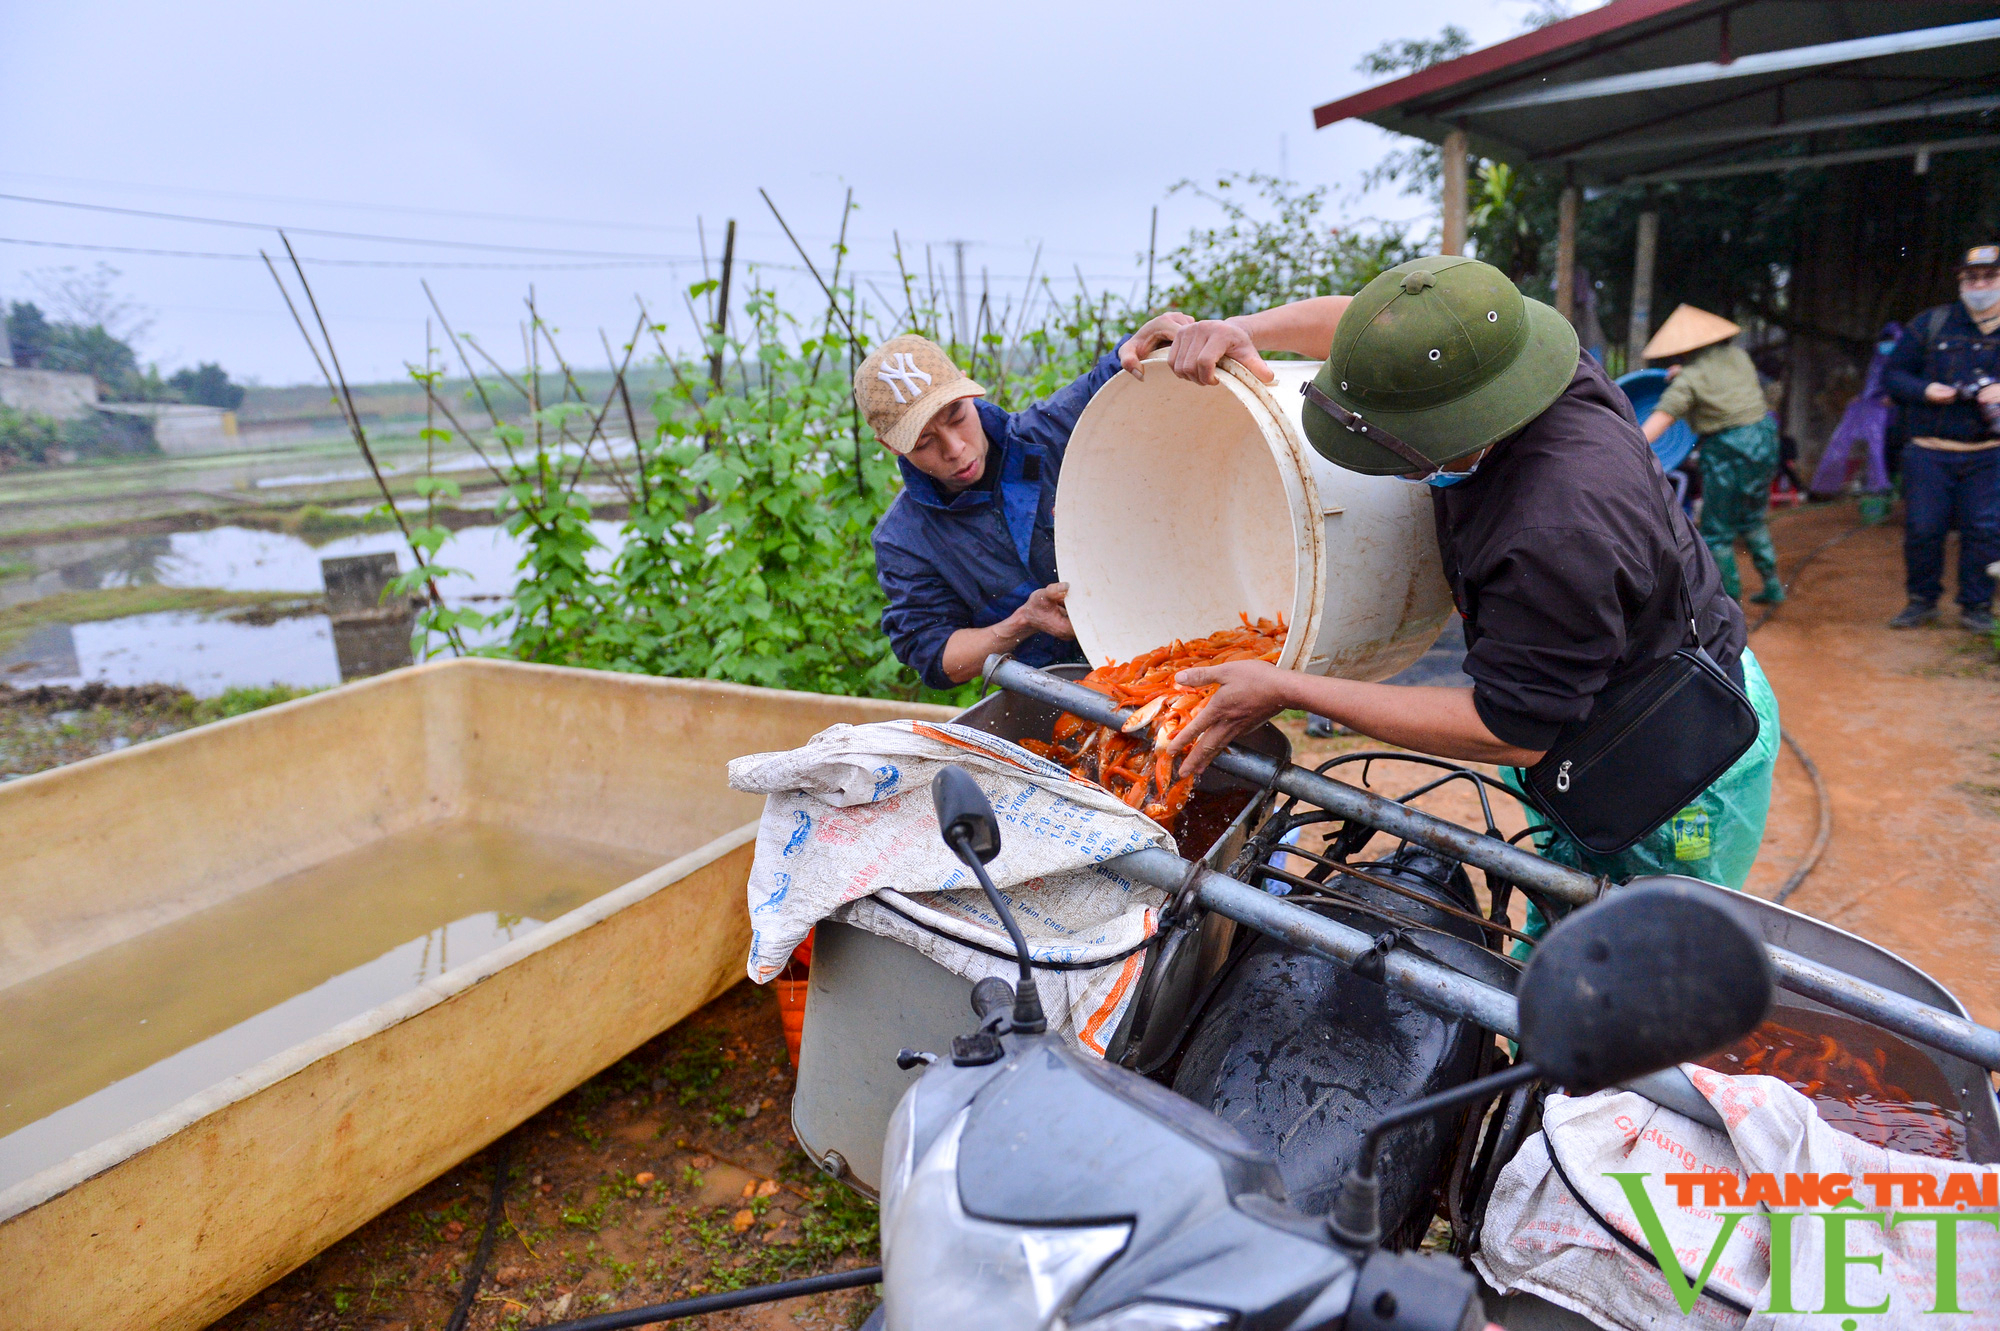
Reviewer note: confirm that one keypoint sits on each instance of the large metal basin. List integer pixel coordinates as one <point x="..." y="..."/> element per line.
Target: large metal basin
<point x="174" y="1220"/>
<point x="1876" y="965"/>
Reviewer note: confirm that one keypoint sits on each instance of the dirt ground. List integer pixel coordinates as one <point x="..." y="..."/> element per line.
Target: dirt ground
<point x="1905" y="729"/>
<point x="645" y="1183"/>
<point x="674" y="1173"/>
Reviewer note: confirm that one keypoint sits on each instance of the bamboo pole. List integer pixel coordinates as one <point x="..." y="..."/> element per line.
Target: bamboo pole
<point x="1455" y="151"/>
<point x="1566" y="253"/>
<point x="721" y="325"/>
<point x="1643" y="256"/>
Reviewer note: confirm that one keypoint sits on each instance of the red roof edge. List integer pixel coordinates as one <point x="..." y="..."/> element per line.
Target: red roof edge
<point x="1542" y="41"/>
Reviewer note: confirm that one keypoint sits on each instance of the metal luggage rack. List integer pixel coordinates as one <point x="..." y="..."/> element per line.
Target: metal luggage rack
<point x="1318" y="885"/>
<point x="1314" y="797"/>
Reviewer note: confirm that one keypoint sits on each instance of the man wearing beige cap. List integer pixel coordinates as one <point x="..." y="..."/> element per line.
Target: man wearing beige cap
<point x="967" y="552"/>
<point x="1716" y="391"/>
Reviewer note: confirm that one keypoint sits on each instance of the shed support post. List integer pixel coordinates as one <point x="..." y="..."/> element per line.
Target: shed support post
<point x="1566" y="253"/>
<point x="1455" y="151"/>
<point x="1642" y="289"/>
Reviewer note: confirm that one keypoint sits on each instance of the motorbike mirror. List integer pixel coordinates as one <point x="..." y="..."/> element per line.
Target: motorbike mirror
<point x="964" y="817"/>
<point x="1647" y="977"/>
<point x="967" y="823"/>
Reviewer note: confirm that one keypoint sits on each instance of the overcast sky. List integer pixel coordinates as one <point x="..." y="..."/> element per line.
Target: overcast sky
<point x="1053" y="123"/>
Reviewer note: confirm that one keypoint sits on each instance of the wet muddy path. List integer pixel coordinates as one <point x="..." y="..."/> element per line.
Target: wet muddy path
<point x="1905" y="729"/>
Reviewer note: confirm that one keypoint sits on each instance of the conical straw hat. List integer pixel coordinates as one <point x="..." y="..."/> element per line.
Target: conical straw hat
<point x="1686" y="329"/>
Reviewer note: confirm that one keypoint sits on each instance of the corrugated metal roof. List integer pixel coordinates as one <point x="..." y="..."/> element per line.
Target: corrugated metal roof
<point x="1664" y="88"/>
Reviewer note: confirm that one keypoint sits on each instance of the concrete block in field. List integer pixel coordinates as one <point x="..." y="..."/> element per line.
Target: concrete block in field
<point x="371" y="630"/>
<point x="357" y="583"/>
<point x="373" y="644"/>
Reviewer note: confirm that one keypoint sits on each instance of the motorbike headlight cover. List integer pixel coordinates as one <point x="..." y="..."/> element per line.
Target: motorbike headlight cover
<point x="1158" y="1317"/>
<point x="897" y="1149"/>
<point x="951" y="1269"/>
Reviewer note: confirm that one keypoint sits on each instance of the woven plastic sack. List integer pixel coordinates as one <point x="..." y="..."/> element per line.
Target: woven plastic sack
<point x="1538" y="1235"/>
<point x="849" y="833"/>
<point x="1715" y="838"/>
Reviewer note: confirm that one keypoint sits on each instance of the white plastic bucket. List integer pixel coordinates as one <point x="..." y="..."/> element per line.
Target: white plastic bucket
<point x="1182" y="506"/>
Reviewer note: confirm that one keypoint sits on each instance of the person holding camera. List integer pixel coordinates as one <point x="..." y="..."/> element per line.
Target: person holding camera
<point x="1945" y="375"/>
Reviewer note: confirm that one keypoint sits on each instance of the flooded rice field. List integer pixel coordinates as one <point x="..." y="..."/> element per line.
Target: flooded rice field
<point x="207" y="652"/>
<point x="97" y="1046"/>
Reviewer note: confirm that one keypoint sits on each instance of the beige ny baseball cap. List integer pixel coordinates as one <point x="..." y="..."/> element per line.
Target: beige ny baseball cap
<point x="903" y="383"/>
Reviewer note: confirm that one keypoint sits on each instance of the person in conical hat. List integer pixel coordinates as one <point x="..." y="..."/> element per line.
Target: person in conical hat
<point x="1572" y="568"/>
<point x="1715" y="390"/>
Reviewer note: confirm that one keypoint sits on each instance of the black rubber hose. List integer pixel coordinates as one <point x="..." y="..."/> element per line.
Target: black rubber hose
<point x="1825" y="833"/>
<point x="1821" y="797"/>
<point x="495" y="1209"/>
<point x="715" y="1303"/>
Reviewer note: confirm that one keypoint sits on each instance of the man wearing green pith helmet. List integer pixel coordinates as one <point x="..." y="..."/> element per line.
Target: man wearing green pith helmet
<point x="1573" y="569"/>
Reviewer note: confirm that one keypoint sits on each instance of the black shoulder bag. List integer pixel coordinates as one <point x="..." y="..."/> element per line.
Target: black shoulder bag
<point x="1650" y="746"/>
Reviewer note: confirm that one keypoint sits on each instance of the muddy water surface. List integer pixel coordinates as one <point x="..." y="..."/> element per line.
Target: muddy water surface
<point x="106" y="1042"/>
<point x="208" y="653"/>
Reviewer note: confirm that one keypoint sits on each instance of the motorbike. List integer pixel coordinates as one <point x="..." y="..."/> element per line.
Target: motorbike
<point x="1028" y="1186"/>
<point x="1315" y="1074"/>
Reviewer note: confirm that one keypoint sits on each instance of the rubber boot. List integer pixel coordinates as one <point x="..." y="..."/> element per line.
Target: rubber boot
<point x="1725" y="564"/>
<point x="1764" y="558"/>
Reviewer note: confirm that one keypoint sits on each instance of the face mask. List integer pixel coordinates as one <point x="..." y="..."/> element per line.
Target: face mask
<point x="1443" y="480"/>
<point x="1980" y="299"/>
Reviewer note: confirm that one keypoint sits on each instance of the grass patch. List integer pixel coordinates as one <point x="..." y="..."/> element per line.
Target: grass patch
<point x="14" y="568"/>
<point x="46" y="727"/>
<point x="89" y="607"/>
<point x="318" y="524"/>
<point x="238" y="701"/>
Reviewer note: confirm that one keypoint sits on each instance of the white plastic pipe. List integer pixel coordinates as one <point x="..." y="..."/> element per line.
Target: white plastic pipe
<point x="1182" y="506"/>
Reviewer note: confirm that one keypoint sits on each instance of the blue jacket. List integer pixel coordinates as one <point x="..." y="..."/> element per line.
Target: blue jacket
<point x="1941" y="346"/>
<point x="951" y="562"/>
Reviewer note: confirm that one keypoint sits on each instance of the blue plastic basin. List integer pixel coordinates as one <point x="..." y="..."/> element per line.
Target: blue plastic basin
<point x="1644" y="387"/>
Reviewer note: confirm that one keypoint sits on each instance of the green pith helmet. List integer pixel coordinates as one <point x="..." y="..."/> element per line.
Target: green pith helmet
<point x="1443" y="355"/>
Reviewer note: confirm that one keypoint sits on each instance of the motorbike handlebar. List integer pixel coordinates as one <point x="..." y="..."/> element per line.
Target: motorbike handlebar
<point x="992" y="995"/>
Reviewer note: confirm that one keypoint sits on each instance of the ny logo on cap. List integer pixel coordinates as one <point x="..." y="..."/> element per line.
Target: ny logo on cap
<point x="901" y="369"/>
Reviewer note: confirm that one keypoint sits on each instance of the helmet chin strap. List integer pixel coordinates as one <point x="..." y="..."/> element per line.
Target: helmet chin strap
<point x="1367" y="429"/>
<point x="1375" y="434"/>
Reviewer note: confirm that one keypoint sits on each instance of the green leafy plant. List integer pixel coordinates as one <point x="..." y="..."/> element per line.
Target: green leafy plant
<point x="744" y="553"/>
<point x="1274" y="245"/>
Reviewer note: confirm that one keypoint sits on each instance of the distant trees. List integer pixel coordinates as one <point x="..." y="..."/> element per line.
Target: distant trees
<point x="207" y="385"/>
<point x="28" y="332"/>
<point x="1274" y="246"/>
<point x="91" y="348"/>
